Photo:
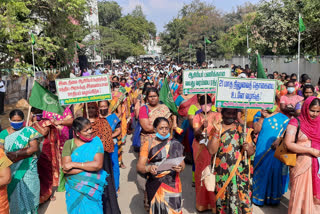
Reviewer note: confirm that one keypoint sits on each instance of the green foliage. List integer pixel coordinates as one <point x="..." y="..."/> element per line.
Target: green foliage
<point x="271" y="25"/>
<point x="122" y="36"/>
<point x="109" y="12"/>
<point x="50" y="23"/>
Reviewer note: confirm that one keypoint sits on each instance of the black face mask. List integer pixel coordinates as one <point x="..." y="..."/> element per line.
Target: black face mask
<point x="228" y="121"/>
<point x="104" y="112"/>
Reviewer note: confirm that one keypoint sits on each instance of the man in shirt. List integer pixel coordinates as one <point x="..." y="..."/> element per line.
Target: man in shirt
<point x="2" y="95"/>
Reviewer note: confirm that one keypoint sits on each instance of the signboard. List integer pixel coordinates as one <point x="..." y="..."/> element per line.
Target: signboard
<point x="83" y="89"/>
<point x="203" y="81"/>
<point x="245" y="93"/>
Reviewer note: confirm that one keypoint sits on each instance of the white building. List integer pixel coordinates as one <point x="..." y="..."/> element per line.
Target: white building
<point x="152" y="47"/>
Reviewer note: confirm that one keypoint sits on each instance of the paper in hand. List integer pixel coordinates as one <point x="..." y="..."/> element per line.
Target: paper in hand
<point x="169" y="163"/>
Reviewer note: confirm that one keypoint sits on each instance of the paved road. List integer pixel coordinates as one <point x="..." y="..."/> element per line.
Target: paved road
<point x="131" y="199"/>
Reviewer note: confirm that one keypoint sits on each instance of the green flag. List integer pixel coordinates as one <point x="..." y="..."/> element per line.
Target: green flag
<point x="78" y="46"/>
<point x="261" y="74"/>
<point x="43" y="99"/>
<point x="33" y="40"/>
<point x="166" y="97"/>
<point x="190" y="46"/>
<point x="301" y="24"/>
<point x="207" y="41"/>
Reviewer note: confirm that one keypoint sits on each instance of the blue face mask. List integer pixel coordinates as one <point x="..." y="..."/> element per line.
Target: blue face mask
<point x="290" y="90"/>
<point x="16" y="125"/>
<point x="161" y="137"/>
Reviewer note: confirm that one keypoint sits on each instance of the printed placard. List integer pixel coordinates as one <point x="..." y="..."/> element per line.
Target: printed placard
<point x="245" y="93"/>
<point x="83" y="89"/>
<point x="203" y="81"/>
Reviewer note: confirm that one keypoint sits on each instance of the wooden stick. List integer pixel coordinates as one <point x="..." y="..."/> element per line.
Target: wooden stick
<point x="245" y="133"/>
<point x="205" y="116"/>
<point x="28" y="117"/>
<point x="87" y="110"/>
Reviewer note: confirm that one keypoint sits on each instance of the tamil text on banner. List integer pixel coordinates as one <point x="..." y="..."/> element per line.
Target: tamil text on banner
<point x="245" y="93"/>
<point x="83" y="89"/>
<point x="203" y="81"/>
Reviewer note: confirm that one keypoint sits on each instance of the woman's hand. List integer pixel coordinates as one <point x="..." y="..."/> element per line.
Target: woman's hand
<point x="12" y="156"/>
<point x="315" y="152"/>
<point x="205" y="124"/>
<point x="248" y="148"/>
<point x="152" y="169"/>
<point x="177" y="168"/>
<point x="275" y="144"/>
<point x="67" y="166"/>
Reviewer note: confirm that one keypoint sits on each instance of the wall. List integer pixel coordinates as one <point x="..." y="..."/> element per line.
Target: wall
<point x="274" y="63"/>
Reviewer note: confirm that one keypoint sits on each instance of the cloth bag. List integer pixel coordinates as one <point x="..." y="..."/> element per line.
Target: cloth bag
<point x="282" y="153"/>
<point x="208" y="177"/>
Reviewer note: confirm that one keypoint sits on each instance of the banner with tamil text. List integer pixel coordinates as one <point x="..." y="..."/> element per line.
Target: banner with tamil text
<point x="203" y="80"/>
<point x="83" y="89"/>
<point x="245" y="93"/>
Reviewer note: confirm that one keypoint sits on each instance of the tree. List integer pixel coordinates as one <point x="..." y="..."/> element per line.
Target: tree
<point x="138" y="12"/>
<point x="56" y="25"/>
<point x="109" y="12"/>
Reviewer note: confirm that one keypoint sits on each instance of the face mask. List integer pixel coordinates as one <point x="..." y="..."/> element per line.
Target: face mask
<point x="228" y="121"/>
<point x="85" y="139"/>
<point x="290" y="90"/>
<point x="273" y="109"/>
<point x="203" y="108"/>
<point x="161" y="137"/>
<point x="103" y="112"/>
<point x="16" y="125"/>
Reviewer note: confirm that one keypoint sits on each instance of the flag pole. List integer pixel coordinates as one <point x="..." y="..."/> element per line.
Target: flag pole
<point x="34" y="70"/>
<point x="299" y="51"/>
<point x="34" y="77"/>
<point x="190" y="54"/>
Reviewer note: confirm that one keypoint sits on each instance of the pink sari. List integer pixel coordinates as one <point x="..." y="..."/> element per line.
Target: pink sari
<point x="205" y="200"/>
<point x="310" y="127"/>
<point x="62" y="130"/>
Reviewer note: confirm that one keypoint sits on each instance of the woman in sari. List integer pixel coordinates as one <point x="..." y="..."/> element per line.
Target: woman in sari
<point x="114" y="123"/>
<point x="233" y="174"/>
<point x="5" y="178"/>
<point x="289" y="101"/>
<point x="304" y="176"/>
<point x="149" y="112"/>
<point x="102" y="129"/>
<point x="307" y="91"/>
<point x="22" y="148"/>
<point x="48" y="167"/>
<point x="82" y="164"/>
<point x="163" y="186"/>
<point x="270" y="176"/>
<point x="118" y="106"/>
<point x="183" y="102"/>
<point x="205" y="200"/>
<point x="63" y="124"/>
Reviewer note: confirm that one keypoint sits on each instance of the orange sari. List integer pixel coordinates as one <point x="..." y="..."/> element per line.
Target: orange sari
<point x="4" y="163"/>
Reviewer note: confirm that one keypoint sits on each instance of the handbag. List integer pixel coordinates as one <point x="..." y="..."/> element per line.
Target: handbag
<point x="208" y="177"/>
<point x="282" y="153"/>
<point x="136" y="140"/>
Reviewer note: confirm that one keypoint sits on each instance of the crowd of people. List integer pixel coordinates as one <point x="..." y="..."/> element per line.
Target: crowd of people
<point x="80" y="152"/>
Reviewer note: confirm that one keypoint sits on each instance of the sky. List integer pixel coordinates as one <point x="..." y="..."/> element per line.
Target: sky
<point x="163" y="11"/>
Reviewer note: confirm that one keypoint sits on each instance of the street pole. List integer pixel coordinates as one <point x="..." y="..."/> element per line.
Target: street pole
<point x="299" y="51"/>
<point x="190" y="54"/>
<point x="34" y="69"/>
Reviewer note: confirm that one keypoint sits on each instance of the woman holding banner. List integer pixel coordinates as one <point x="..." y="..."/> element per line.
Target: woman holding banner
<point x="304" y="177"/>
<point x="270" y="178"/>
<point x="203" y="124"/>
<point x="233" y="174"/>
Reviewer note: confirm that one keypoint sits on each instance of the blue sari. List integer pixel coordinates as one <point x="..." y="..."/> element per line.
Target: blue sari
<point x="84" y="190"/>
<point x="113" y="121"/>
<point x="270" y="176"/>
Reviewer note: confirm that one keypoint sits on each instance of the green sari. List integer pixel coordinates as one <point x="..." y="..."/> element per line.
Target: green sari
<point x="24" y="189"/>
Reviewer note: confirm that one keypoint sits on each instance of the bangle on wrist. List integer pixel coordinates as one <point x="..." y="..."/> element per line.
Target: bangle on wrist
<point x="17" y="154"/>
<point x="82" y="164"/>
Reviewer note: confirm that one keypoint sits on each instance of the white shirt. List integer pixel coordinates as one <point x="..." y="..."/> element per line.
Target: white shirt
<point x="2" y="89"/>
<point x="72" y="75"/>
